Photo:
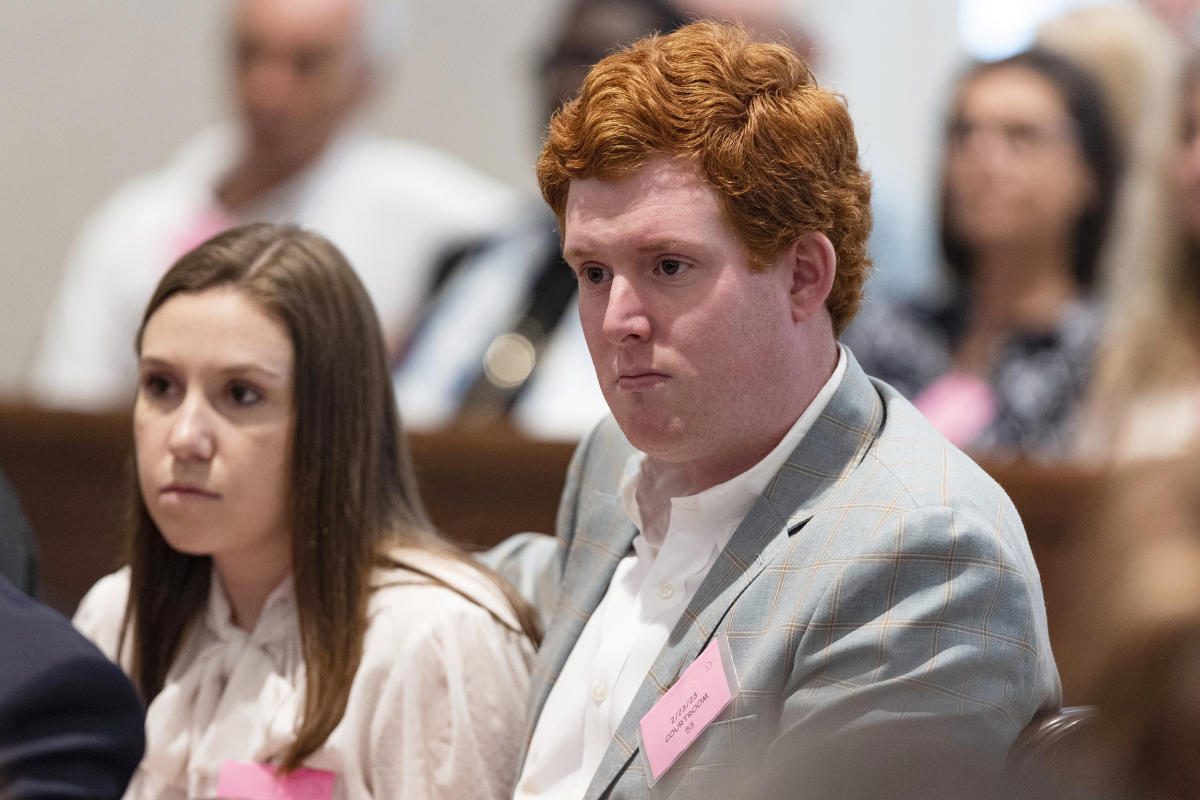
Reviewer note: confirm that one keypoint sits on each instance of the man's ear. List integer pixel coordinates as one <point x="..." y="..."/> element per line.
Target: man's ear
<point x="813" y="265"/>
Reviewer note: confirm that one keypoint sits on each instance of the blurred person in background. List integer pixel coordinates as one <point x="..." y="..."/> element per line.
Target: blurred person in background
<point x="301" y="70"/>
<point x="1030" y="174"/>
<point x="18" y="550"/>
<point x="286" y="603"/>
<point x="1181" y="16"/>
<point x="499" y="338"/>
<point x="1136" y="62"/>
<point x="1146" y="400"/>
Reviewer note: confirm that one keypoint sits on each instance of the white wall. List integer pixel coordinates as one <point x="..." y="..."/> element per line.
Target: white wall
<point x="895" y="62"/>
<point x="95" y="91"/>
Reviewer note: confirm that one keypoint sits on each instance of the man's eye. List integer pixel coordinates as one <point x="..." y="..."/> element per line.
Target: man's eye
<point x="594" y="274"/>
<point x="672" y="267"/>
<point x="244" y="394"/>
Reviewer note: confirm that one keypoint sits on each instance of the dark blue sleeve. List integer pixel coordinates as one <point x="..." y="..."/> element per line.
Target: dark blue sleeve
<point x="71" y="724"/>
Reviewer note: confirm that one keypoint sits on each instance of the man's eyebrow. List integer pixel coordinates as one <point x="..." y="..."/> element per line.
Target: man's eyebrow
<point x="574" y="252"/>
<point x="653" y="246"/>
<point x="665" y="245"/>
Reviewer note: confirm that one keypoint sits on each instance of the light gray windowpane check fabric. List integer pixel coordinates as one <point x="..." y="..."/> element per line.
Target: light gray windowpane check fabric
<point x="882" y="606"/>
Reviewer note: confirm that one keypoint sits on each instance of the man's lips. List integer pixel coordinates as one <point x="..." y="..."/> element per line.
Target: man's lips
<point x="639" y="380"/>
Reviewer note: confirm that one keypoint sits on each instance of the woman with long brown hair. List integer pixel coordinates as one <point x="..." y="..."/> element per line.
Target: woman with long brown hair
<point x="286" y="603"/>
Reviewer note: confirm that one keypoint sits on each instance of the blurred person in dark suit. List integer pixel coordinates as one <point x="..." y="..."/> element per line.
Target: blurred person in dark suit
<point x="70" y="721"/>
<point x="500" y="336"/>
<point x="302" y="71"/>
<point x="18" y="552"/>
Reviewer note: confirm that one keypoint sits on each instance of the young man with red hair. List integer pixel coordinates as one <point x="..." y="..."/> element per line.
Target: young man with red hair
<point x="871" y="588"/>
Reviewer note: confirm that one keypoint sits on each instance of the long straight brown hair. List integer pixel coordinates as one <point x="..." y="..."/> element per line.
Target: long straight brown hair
<point x="353" y="492"/>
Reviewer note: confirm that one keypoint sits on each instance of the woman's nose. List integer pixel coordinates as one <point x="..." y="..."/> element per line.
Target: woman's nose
<point x="191" y="435"/>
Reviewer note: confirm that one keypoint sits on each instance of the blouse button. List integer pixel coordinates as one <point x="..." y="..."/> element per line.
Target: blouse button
<point x="665" y="590"/>
<point x="598" y="694"/>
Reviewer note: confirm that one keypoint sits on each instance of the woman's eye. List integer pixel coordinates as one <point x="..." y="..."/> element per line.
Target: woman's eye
<point x="244" y="394"/>
<point x="156" y="385"/>
<point x="672" y="267"/>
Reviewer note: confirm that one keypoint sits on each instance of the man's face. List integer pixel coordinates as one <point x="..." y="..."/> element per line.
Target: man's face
<point x="300" y="71"/>
<point x="688" y="343"/>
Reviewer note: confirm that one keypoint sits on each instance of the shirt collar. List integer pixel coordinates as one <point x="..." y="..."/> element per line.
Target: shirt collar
<point x="649" y="487"/>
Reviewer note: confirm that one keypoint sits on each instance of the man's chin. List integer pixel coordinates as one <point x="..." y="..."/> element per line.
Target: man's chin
<point x="276" y="151"/>
<point x="656" y="435"/>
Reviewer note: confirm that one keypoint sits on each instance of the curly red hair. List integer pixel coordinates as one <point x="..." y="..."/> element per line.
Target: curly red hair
<point x="779" y="150"/>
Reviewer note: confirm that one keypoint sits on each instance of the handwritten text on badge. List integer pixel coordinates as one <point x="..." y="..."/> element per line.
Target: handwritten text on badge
<point x="680" y="715"/>
<point x="258" y="782"/>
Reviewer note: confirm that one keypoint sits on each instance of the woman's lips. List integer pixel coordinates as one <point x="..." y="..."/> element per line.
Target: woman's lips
<point x="187" y="490"/>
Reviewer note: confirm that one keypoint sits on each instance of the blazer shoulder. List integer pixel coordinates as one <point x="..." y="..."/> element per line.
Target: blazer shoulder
<point x="930" y="470"/>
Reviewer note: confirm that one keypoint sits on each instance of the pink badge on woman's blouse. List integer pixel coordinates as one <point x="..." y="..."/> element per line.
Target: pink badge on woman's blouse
<point x="243" y="781"/>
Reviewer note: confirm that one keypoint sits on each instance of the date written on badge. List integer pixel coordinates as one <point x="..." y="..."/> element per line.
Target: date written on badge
<point x="686" y="709"/>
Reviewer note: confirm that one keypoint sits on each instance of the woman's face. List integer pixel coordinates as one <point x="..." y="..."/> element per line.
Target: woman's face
<point x="213" y="427"/>
<point x="1187" y="164"/>
<point x="1014" y="171"/>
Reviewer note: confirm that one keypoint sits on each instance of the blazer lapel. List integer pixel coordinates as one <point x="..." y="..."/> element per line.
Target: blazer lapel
<point x="834" y="445"/>
<point x="603" y="537"/>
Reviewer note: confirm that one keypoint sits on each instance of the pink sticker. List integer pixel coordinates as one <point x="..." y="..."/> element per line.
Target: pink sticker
<point x="206" y="224"/>
<point x="959" y="405"/>
<point x="682" y="714"/>
<point x="242" y="781"/>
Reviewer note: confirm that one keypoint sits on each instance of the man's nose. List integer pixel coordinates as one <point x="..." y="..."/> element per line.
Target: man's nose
<point x="267" y="84"/>
<point x="626" y="317"/>
<point x="191" y="436"/>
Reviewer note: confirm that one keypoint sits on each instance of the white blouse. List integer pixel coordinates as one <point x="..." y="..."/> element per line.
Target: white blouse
<point x="436" y="710"/>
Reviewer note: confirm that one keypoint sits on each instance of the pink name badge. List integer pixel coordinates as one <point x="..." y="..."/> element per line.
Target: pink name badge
<point x="959" y="405"/>
<point x="682" y="714"/>
<point x="242" y="781"/>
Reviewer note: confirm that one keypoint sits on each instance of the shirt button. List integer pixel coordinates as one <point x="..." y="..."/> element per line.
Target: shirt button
<point x="598" y="694"/>
<point x="665" y="590"/>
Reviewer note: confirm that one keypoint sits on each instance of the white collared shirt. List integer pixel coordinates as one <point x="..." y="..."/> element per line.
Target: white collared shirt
<point x="679" y="539"/>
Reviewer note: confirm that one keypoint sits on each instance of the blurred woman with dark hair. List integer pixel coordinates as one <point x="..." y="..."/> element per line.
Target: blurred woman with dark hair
<point x="286" y="602"/>
<point x="1030" y="176"/>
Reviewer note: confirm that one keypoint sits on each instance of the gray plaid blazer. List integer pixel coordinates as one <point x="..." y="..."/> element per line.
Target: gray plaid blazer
<point x="881" y="603"/>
